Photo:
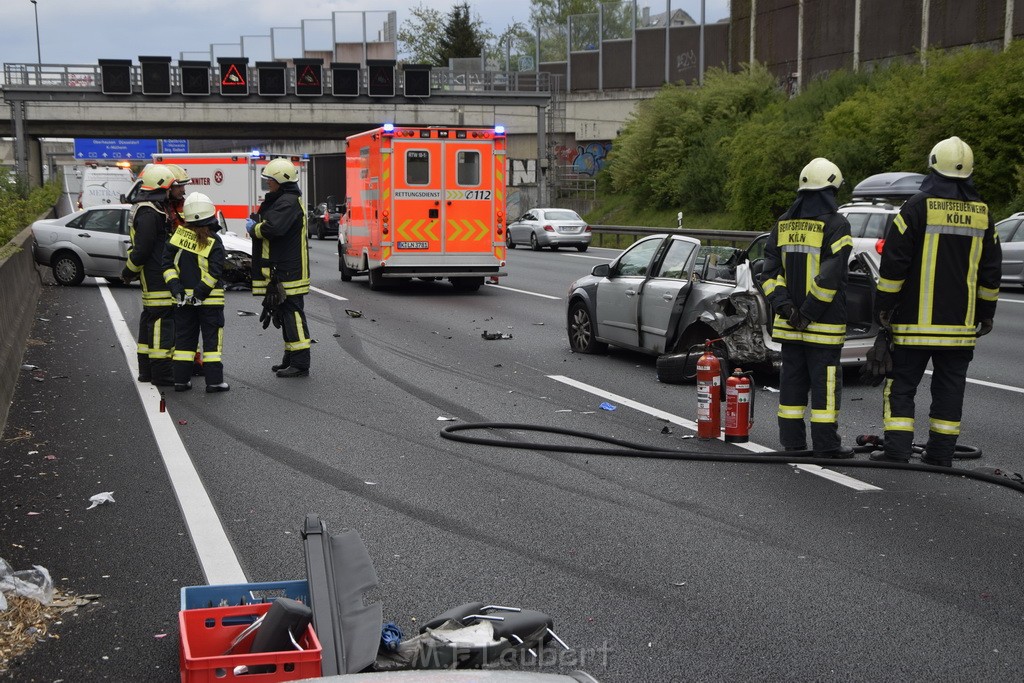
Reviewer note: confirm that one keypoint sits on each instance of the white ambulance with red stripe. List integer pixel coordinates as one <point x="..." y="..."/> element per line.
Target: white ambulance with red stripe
<point x="424" y="202"/>
<point x="232" y="181"/>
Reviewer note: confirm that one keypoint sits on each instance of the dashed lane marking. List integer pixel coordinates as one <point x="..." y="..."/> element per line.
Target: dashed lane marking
<point x="817" y="470"/>
<point x="219" y="563"/>
<point x="523" y="291"/>
<point x="327" y="294"/>
<point x="981" y="382"/>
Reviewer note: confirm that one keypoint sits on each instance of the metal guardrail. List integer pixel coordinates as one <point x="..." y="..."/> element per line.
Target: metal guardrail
<point x="734" y="236"/>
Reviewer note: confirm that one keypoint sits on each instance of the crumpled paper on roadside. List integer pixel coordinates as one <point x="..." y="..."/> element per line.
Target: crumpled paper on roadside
<point x="100" y="499"/>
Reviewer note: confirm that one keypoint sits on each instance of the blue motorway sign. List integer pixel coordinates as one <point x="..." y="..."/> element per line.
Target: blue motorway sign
<point x="114" y="148"/>
<point x="175" y="146"/>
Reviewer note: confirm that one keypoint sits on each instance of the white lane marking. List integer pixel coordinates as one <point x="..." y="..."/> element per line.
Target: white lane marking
<point x="219" y="563"/>
<point x="596" y="258"/>
<point x="1004" y="387"/>
<point x="836" y="477"/>
<point x="1012" y="301"/>
<point x="326" y="293"/>
<point x="523" y="291"/>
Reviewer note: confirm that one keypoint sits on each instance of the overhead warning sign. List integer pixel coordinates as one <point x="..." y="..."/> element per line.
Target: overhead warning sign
<point x="233" y="79"/>
<point x="309" y="78"/>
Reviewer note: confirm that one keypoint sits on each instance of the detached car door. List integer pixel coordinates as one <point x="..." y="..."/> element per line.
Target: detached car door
<point x="664" y="296"/>
<point x="102" y="236"/>
<point x="618" y="295"/>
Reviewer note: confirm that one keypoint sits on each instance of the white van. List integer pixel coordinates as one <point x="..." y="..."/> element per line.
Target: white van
<point x="104" y="185"/>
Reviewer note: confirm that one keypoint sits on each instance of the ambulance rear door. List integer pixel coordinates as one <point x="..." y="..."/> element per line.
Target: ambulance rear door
<point x="469" y="197"/>
<point x="225" y="179"/>
<point x="416" y="165"/>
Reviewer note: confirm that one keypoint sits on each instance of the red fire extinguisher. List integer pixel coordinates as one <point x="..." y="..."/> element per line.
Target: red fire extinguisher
<point x="709" y="394"/>
<point x="739" y="407"/>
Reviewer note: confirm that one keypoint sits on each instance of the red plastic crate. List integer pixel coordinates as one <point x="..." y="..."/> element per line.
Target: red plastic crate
<point x="205" y="637"/>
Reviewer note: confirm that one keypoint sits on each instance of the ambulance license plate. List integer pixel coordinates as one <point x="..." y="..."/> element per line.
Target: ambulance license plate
<point x="413" y="245"/>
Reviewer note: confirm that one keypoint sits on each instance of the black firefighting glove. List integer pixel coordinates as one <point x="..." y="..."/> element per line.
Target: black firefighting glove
<point x="127" y="275"/>
<point x="272" y="301"/>
<point x="797" y="320"/>
<point x="177" y="291"/>
<point x="984" y="327"/>
<point x="879" y="359"/>
<point x="784" y="311"/>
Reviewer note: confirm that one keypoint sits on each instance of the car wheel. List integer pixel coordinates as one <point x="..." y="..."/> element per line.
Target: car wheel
<point x="534" y="244"/>
<point x="554" y="247"/>
<point x="376" y="279"/>
<point x="346" y="274"/>
<point x="67" y="269"/>
<point x="581" y="330"/>
<point x="677" y="368"/>
<point x="582" y="247"/>
<point x="467" y="284"/>
<point x="508" y="239"/>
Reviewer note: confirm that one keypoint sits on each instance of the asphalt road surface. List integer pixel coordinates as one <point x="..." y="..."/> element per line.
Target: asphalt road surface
<point x="653" y="570"/>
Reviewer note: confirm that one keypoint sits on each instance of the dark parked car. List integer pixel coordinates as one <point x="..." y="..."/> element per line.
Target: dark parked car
<point x="324" y="219"/>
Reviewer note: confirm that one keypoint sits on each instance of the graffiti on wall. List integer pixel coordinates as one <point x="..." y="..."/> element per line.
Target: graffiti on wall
<point x="521" y="172"/>
<point x="584" y="159"/>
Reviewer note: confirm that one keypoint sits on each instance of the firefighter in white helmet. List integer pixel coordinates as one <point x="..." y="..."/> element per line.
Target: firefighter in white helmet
<point x="280" y="264"/>
<point x="939" y="284"/>
<point x="149" y="229"/>
<point x="804" y="279"/>
<point x="193" y="265"/>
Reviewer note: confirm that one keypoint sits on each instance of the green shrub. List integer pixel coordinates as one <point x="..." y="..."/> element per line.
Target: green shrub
<point x="19" y="206"/>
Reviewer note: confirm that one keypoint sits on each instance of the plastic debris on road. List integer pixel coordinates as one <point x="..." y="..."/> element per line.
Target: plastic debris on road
<point x="100" y="499"/>
<point x="390" y="636"/>
<point x="607" y="406"/>
<point x="27" y="366"/>
<point x="32" y="583"/>
<point x="442" y="418"/>
<point x="770" y="390"/>
<point x="490" y="336"/>
<point x="353" y="313"/>
<point x="246" y="313"/>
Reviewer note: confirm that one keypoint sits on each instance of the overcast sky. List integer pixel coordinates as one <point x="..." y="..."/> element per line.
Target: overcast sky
<point x="83" y="31"/>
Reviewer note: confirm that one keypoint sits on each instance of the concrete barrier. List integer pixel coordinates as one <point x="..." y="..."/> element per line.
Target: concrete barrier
<point x="20" y="286"/>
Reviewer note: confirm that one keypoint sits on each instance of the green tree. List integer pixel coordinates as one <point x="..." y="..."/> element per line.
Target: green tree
<point x="463" y="36"/>
<point x="417" y="37"/>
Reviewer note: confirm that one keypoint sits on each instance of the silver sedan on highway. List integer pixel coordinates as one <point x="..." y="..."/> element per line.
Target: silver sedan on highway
<point x="667" y="294"/>
<point x="553" y="228"/>
<point x="1011" y="238"/>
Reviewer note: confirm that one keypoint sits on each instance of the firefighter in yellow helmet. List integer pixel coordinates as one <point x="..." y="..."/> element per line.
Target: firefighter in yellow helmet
<point x="193" y="265"/>
<point x="149" y="230"/>
<point x="939" y="283"/>
<point x="176" y="195"/>
<point x="804" y="278"/>
<point x="280" y="264"/>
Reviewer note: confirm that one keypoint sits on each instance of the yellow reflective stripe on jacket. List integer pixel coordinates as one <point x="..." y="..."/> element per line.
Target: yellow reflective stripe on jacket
<point x="822" y="294"/>
<point x="933" y="330"/>
<point x="792" y="412"/>
<point x="972" y="281"/>
<point x="768" y="286"/>
<point x="844" y="241"/>
<point x="170" y="274"/>
<point x="944" y="427"/>
<point x="926" y="295"/>
<point x="890" y="286"/>
<point x="134" y="268"/>
<point x="986" y="294"/>
<point x="900" y="224"/>
<point x="924" y="340"/>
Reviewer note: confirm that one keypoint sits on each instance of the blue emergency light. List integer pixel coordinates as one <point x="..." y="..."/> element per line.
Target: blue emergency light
<point x="499" y="130"/>
<point x="389" y="128"/>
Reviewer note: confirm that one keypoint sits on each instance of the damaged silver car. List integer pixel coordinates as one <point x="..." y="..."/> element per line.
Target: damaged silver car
<point x="667" y="294"/>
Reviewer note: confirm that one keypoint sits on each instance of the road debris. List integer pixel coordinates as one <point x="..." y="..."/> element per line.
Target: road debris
<point x="442" y="418"/>
<point x="490" y="336"/>
<point x="353" y="313"/>
<point x="244" y="313"/>
<point x="607" y="406"/>
<point x="100" y="499"/>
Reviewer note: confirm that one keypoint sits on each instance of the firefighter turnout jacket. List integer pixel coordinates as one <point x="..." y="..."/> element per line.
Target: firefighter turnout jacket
<point x="279" y="243"/>
<point x="806" y="268"/>
<point x="941" y="266"/>
<point x="197" y="267"/>
<point x="145" y="257"/>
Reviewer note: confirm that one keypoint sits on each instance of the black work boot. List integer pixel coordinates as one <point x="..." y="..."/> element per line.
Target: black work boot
<point x="937" y="461"/>
<point x="292" y="371"/>
<point x="839" y="453"/>
<point x="285" y="363"/>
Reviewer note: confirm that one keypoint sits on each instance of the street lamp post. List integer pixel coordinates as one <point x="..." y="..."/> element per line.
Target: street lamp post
<point x="39" y="49"/>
